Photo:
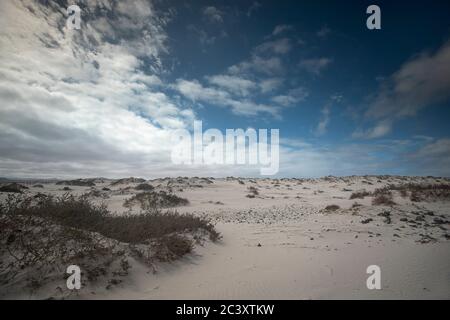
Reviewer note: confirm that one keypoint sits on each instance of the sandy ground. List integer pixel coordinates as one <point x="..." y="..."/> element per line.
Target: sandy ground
<point x="283" y="244"/>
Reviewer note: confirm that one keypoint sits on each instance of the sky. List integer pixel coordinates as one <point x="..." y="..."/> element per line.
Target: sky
<point x="103" y="100"/>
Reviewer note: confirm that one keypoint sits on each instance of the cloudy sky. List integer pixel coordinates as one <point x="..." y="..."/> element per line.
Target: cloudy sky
<point x="103" y="100"/>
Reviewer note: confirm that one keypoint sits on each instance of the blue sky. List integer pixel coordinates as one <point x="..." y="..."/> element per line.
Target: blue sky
<point x="347" y="100"/>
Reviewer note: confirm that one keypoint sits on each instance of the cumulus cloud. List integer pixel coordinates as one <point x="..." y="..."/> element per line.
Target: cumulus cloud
<point x="82" y="99"/>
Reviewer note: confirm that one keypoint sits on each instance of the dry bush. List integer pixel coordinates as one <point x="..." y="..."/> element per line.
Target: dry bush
<point x="41" y="236"/>
<point x="154" y="199"/>
<point x="421" y="191"/>
<point x="81" y="213"/>
<point x="12" y="187"/>
<point x="253" y="192"/>
<point x="144" y="187"/>
<point x="173" y="247"/>
<point x="127" y="180"/>
<point x="383" y="199"/>
<point x="140" y="228"/>
<point x="34" y="250"/>
<point x="332" y="207"/>
<point x="77" y="182"/>
<point x="356" y="204"/>
<point x="359" y="194"/>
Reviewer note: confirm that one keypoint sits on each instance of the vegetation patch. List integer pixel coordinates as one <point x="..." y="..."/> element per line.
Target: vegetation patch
<point x="41" y="236"/>
<point x="155" y="199"/>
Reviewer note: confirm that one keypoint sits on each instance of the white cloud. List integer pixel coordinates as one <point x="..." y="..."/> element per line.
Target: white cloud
<point x="280" y="46"/>
<point x="213" y="14"/>
<point x="267" y="66"/>
<point x="74" y="102"/>
<point x="322" y="126"/>
<point x="233" y="84"/>
<point x="315" y="66"/>
<point x="281" y="28"/>
<point x="270" y="84"/>
<point x="292" y="97"/>
<point x="419" y="83"/>
<point x="196" y="92"/>
<point x="379" y="130"/>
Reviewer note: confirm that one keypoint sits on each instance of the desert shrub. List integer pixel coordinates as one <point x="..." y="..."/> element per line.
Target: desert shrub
<point x="97" y="194"/>
<point x="144" y="187"/>
<point x="332" y="207"/>
<point x="66" y="210"/>
<point x="252" y="192"/>
<point x="38" y="186"/>
<point x="34" y="250"/>
<point x="359" y="194"/>
<point x="172" y="247"/>
<point x="40" y="236"/>
<point x="154" y="199"/>
<point x="128" y="180"/>
<point x="81" y="213"/>
<point x="386" y="215"/>
<point x="77" y="182"/>
<point x="12" y="187"/>
<point x="153" y="224"/>
<point x="422" y="191"/>
<point x="383" y="199"/>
